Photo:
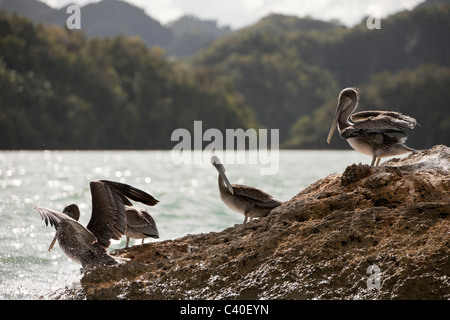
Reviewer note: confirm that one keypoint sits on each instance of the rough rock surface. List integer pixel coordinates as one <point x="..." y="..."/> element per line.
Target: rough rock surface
<point x="318" y="245"/>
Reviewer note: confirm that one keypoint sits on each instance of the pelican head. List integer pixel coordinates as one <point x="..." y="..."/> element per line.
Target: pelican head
<point x="72" y="211"/>
<point x="221" y="169"/>
<point x="347" y="103"/>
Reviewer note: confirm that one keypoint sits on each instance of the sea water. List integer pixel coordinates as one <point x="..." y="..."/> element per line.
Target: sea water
<point x="188" y="195"/>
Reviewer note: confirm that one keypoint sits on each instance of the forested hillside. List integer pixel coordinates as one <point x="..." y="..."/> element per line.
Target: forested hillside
<point x="63" y="89"/>
<point x="60" y="90"/>
<point x="290" y="72"/>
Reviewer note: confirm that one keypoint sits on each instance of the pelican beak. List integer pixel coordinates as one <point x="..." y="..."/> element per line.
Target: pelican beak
<point x="230" y="188"/>
<point x="52" y="244"/>
<point x="219" y="166"/>
<point x="333" y="127"/>
<point x="333" y="124"/>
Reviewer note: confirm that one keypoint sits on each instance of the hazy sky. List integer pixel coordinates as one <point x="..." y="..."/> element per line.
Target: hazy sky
<point x="241" y="13"/>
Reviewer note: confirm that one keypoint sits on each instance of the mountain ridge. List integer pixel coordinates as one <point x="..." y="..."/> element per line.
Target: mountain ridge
<point x="109" y="18"/>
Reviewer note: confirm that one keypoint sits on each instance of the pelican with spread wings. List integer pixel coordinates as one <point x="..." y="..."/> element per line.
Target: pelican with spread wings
<point x="87" y="245"/>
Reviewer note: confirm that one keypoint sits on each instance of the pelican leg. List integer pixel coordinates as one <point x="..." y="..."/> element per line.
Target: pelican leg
<point x="373" y="161"/>
<point x="378" y="161"/>
<point x="128" y="240"/>
<point x="143" y="240"/>
<point x="246" y="217"/>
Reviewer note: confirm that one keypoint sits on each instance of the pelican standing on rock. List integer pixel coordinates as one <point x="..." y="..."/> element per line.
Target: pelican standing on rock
<point x="87" y="246"/>
<point x="251" y="202"/>
<point x="378" y="134"/>
<point x="140" y="224"/>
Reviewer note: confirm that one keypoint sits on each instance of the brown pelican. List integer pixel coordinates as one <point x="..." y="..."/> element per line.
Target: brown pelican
<point x="88" y="245"/>
<point x="249" y="201"/>
<point x="140" y="224"/>
<point x="378" y="134"/>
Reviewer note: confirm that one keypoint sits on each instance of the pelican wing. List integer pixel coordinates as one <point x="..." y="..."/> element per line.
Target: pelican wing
<point x="51" y="217"/>
<point x="379" y="122"/>
<point x="108" y="208"/>
<point x="141" y="221"/>
<point x="392" y="118"/>
<point x="264" y="199"/>
<point x="60" y="220"/>
<point x="126" y="191"/>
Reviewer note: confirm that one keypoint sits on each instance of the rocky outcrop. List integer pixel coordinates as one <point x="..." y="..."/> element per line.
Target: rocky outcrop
<point x="392" y="221"/>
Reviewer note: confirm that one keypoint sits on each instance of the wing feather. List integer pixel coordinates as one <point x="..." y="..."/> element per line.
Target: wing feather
<point x="61" y="220"/>
<point x="264" y="199"/>
<point x="50" y="216"/>
<point x="379" y="122"/>
<point x="384" y="118"/>
<point x="127" y="191"/>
